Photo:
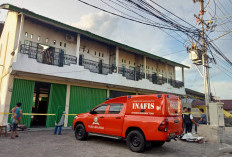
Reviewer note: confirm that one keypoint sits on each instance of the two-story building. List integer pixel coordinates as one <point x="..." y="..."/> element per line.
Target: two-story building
<point x="45" y="63"/>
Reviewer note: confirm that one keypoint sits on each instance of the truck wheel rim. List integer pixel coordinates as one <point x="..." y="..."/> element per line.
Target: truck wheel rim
<point x="79" y="132"/>
<point x="135" y="141"/>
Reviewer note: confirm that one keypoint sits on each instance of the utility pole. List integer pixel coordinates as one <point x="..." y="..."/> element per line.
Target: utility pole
<point x="204" y="57"/>
<point x="205" y="61"/>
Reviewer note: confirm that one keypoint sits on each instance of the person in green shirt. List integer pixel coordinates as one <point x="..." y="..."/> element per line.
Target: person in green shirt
<point x="59" y="122"/>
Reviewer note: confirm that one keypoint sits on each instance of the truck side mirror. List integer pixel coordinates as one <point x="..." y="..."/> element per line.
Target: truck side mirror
<point x="91" y="112"/>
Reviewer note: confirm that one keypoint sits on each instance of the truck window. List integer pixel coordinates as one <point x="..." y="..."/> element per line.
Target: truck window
<point x="100" y="109"/>
<point x="115" y="108"/>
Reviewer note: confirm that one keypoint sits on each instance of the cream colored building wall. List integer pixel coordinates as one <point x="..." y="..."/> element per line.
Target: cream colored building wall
<point x="161" y="69"/>
<point x="44" y="32"/>
<point x="7" y="46"/>
<point x="126" y="59"/>
<point x="140" y="61"/>
<point x="151" y="67"/>
<point x="95" y="51"/>
<point x="171" y="71"/>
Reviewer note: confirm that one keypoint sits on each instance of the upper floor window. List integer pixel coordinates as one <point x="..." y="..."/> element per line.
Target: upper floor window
<point x="64" y="44"/>
<point x="60" y="43"/>
<point x="38" y="38"/>
<point x="26" y="34"/>
<point x="54" y="42"/>
<point x="31" y="36"/>
<point x="46" y="40"/>
<point x="102" y="55"/>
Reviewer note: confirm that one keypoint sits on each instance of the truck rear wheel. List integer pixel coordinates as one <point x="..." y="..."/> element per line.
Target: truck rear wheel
<point x="135" y="141"/>
<point x="80" y="132"/>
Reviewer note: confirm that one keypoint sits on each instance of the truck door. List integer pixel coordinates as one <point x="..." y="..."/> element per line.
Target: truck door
<point x="96" y="120"/>
<point x="114" y="120"/>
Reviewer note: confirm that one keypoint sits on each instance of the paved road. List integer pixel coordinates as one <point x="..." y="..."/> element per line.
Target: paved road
<point x="45" y="144"/>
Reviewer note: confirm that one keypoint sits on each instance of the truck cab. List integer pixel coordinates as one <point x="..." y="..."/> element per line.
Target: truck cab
<point x="140" y="119"/>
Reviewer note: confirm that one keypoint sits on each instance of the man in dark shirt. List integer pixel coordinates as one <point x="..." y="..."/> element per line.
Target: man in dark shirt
<point x="203" y="119"/>
<point x="183" y="115"/>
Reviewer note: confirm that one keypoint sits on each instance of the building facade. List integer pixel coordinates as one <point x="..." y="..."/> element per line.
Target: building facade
<point x="45" y="63"/>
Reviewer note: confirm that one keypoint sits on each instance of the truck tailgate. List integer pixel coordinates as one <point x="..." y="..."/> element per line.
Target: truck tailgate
<point x="175" y="124"/>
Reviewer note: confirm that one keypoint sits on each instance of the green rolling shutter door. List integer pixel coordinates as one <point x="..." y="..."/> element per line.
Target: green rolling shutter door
<point x="82" y="99"/>
<point x="57" y="97"/>
<point x="23" y="91"/>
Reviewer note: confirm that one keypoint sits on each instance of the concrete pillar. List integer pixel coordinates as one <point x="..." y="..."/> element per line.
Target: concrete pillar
<point x="5" y="97"/>
<point x="166" y="71"/>
<point x="144" y="66"/>
<point x="108" y="93"/>
<point x="19" y="37"/>
<point x="174" y="73"/>
<point x="183" y="74"/>
<point x="78" y="46"/>
<point x="67" y="105"/>
<point x="117" y="58"/>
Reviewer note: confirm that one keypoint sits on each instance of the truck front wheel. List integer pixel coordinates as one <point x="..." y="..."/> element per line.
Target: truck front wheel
<point x="135" y="141"/>
<point x="80" y="132"/>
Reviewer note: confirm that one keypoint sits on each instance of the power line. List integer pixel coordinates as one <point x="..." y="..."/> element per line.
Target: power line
<point x="126" y="17"/>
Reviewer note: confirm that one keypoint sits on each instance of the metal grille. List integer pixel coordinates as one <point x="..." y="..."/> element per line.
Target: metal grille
<point x="48" y="57"/>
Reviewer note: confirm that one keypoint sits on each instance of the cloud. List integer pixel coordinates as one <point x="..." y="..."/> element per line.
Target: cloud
<point x="157" y="42"/>
<point x="100" y="22"/>
<point x="222" y="89"/>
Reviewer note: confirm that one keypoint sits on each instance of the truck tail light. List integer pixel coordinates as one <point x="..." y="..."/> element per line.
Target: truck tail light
<point x="163" y="127"/>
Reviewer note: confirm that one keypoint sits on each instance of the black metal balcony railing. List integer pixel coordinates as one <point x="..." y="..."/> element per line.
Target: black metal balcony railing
<point x="97" y="67"/>
<point x="48" y="56"/>
<point x="128" y="73"/>
<point x="161" y="80"/>
<point x="131" y="74"/>
<point x="156" y="79"/>
<point x="175" y="83"/>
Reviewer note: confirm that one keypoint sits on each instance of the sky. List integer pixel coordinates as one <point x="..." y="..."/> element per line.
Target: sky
<point x="148" y="38"/>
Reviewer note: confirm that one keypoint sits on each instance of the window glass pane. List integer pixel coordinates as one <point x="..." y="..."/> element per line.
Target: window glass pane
<point x="115" y="108"/>
<point x="100" y="109"/>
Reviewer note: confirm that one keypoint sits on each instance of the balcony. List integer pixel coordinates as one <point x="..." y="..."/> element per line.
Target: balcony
<point x="133" y="77"/>
<point x="175" y="83"/>
<point x="48" y="56"/>
<point x="97" y="67"/>
<point x="131" y="74"/>
<point x="161" y="80"/>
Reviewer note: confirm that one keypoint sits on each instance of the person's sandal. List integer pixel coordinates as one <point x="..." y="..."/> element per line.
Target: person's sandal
<point x="16" y="135"/>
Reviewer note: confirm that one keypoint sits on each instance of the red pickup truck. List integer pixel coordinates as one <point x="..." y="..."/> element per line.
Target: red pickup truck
<point x="140" y="119"/>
